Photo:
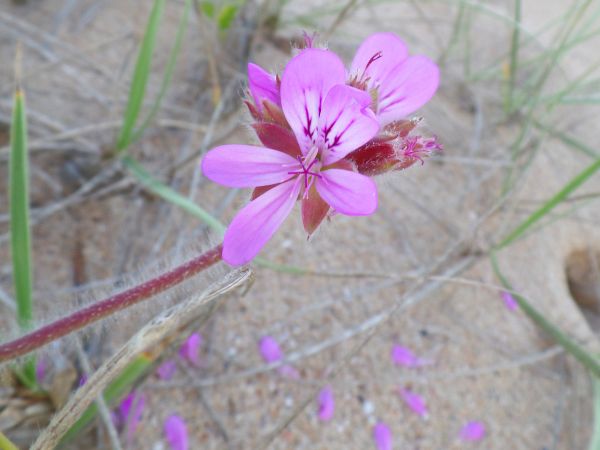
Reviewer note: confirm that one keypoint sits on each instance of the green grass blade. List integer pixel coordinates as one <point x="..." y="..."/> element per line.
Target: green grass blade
<point x="577" y="181"/>
<point x="514" y="58"/>
<point x="595" y="440"/>
<point x="20" y="230"/>
<point x="115" y="390"/>
<point x="585" y="358"/>
<point x="6" y="444"/>
<point x="181" y="29"/>
<point x="170" y="195"/>
<point x="19" y="213"/>
<point x="140" y="76"/>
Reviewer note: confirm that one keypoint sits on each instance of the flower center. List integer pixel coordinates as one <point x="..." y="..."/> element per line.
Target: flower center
<point x="306" y="171"/>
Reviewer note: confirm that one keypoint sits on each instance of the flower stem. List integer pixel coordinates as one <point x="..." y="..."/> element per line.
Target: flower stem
<point x="106" y="307"/>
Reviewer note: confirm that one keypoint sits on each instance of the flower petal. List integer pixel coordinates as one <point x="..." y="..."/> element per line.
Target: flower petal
<point x="306" y="80"/>
<point x="176" y="432"/>
<point x="408" y="87"/>
<point x="166" y="370"/>
<point x="346" y="122"/>
<point x="254" y="225"/>
<point x="348" y="192"/>
<point x="509" y="301"/>
<point x="382" y="435"/>
<point x="326" y="404"/>
<point x="263" y="85"/>
<point x="414" y="401"/>
<point x="247" y="166"/>
<point x="403" y="356"/>
<point x="190" y="349"/>
<point x="472" y="431"/>
<point x="269" y="349"/>
<point x="393" y="52"/>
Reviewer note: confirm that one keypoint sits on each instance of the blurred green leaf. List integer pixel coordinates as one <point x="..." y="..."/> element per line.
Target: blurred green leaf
<point x="6" y="444"/>
<point x="208" y="9"/>
<point x="140" y="76"/>
<point x="226" y="16"/>
<point x="595" y="439"/>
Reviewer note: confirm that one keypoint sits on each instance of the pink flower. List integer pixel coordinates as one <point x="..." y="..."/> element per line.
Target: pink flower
<point x="399" y="84"/>
<point x="190" y="349"/>
<point x="402" y="356"/>
<point x="382" y="435"/>
<point x="329" y="120"/>
<point x="509" y="301"/>
<point x="166" y="370"/>
<point x="176" y="432"/>
<point x="414" y="401"/>
<point x="472" y="431"/>
<point x="263" y="87"/>
<point x="326" y="404"/>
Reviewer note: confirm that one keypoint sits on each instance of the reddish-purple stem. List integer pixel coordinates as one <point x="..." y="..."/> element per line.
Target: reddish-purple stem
<point x="106" y="307"/>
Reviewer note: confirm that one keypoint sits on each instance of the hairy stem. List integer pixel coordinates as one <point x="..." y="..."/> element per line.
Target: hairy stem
<point x="106" y="307"/>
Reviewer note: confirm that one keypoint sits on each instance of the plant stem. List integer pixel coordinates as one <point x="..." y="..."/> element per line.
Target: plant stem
<point x="111" y="305"/>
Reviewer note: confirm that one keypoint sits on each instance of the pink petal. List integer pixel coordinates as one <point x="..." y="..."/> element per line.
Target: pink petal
<point x="288" y="371"/>
<point x="40" y="370"/>
<point x="393" y="52"/>
<point x="190" y="349"/>
<point x="509" y="301"/>
<point x="414" y="401"/>
<point x="346" y="122"/>
<point x="326" y="404"/>
<point x="307" y="79"/>
<point x="176" y="433"/>
<point x="472" y="431"/>
<point x="263" y="86"/>
<point x="269" y="349"/>
<point x="247" y="166"/>
<point x="130" y="412"/>
<point x="403" y="356"/>
<point x="382" y="435"/>
<point x="254" y="225"/>
<point x="166" y="370"/>
<point x="348" y="192"/>
<point x="407" y="88"/>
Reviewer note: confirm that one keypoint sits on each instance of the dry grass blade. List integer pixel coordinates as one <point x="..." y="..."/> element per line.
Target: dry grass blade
<point x="197" y="307"/>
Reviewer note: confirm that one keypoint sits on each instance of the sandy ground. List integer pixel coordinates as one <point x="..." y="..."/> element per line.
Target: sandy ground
<point x="489" y="363"/>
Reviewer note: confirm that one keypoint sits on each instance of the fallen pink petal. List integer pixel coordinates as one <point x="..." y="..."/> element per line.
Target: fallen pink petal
<point x="472" y="431"/>
<point x="403" y="356"/>
<point x="509" y="301"/>
<point x="190" y="349"/>
<point x="269" y="349"/>
<point x="326" y="404"/>
<point x="289" y="372"/>
<point x="40" y="370"/>
<point x="176" y="432"/>
<point x="130" y="413"/>
<point x="414" y="401"/>
<point x="166" y="370"/>
<point x="382" y="435"/>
